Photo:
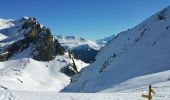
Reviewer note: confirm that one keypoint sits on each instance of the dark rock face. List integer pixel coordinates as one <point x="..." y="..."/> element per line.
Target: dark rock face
<point x="85" y="53"/>
<point x="46" y="47"/>
<point x="39" y="40"/>
<point x="4" y="57"/>
<point x="69" y="71"/>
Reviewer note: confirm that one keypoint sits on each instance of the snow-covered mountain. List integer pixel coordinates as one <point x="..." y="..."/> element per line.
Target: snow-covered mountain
<point x="27" y="38"/>
<point x="83" y="49"/>
<point x="104" y="41"/>
<point x="71" y="42"/>
<point x="142" y="50"/>
<point x="6" y="23"/>
<point x="32" y="59"/>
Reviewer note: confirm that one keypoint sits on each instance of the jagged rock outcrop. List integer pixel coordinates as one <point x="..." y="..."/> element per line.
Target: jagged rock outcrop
<point x="36" y="40"/>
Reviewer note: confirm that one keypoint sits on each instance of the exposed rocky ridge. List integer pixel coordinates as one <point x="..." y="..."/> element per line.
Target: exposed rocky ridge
<point x="38" y="39"/>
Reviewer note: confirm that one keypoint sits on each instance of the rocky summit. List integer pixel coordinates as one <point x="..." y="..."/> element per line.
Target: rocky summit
<point x="26" y="37"/>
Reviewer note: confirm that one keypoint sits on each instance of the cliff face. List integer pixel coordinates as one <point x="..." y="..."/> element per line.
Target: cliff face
<point x="31" y="38"/>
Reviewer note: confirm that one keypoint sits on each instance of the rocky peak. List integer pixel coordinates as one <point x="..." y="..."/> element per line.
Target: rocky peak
<point x="37" y="42"/>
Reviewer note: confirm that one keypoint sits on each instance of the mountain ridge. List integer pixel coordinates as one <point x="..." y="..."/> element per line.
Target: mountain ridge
<point x="31" y="58"/>
<point x="139" y="51"/>
<point x="83" y="49"/>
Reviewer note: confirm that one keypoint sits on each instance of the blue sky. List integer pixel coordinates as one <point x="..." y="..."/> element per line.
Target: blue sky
<point x="91" y="19"/>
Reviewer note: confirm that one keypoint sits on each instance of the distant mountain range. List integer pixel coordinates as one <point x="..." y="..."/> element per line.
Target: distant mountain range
<point x="104" y="41"/>
<point x="83" y="49"/>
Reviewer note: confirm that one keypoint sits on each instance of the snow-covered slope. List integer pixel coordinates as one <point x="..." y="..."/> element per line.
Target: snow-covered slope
<point x="30" y="75"/>
<point x="162" y="93"/>
<point x="83" y="49"/>
<point x="6" y="23"/>
<point x="32" y="59"/>
<point x="142" y="50"/>
<point x="12" y="30"/>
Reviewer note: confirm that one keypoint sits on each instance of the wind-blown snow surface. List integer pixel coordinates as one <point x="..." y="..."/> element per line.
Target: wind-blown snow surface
<point x="30" y="75"/>
<point x="162" y="93"/>
<point x="139" y="51"/>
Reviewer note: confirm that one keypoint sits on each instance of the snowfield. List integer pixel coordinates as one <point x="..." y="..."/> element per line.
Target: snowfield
<point x="30" y="75"/>
<point x="162" y="93"/>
